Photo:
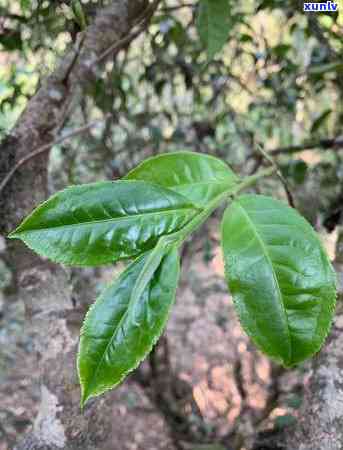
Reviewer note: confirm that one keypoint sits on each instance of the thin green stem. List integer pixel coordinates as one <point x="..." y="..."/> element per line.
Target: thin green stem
<point x="155" y="257"/>
<point x="198" y="220"/>
<point x="250" y="181"/>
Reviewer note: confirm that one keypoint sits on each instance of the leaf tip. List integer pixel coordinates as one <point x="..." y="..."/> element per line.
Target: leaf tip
<point x="16" y="233"/>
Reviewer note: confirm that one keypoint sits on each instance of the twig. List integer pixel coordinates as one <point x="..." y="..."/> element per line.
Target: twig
<point x="77" y="50"/>
<point x="279" y="174"/>
<point x="320" y="35"/>
<point x="323" y="143"/>
<point x="117" y="45"/>
<point x="45" y="148"/>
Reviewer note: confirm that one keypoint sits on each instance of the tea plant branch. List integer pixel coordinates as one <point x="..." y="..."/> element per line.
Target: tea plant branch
<point x="140" y="26"/>
<point x="323" y="144"/>
<point x="185" y="232"/>
<point x="147" y="216"/>
<point x="279" y="174"/>
<point x="45" y="148"/>
<point x="177" y="238"/>
<point x="334" y="143"/>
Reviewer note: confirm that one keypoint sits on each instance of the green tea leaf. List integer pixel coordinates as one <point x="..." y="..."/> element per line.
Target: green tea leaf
<point x="280" y="277"/>
<point x="79" y="14"/>
<point x="198" y="177"/>
<point x="213" y="24"/>
<point x="103" y="222"/>
<point x="121" y="328"/>
<point x="25" y="4"/>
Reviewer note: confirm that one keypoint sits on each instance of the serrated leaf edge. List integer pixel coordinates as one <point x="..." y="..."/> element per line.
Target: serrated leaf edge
<point x="17" y="234"/>
<point x="326" y="331"/>
<point x="84" y="398"/>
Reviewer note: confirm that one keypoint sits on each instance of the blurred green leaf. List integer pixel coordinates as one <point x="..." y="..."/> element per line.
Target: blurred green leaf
<point x="320" y="120"/>
<point x="79" y="14"/>
<point x="11" y="40"/>
<point x="325" y="68"/>
<point x="295" y="169"/>
<point x="213" y="24"/>
<point x="285" y="421"/>
<point x="25" y="4"/>
<point x="281" y="50"/>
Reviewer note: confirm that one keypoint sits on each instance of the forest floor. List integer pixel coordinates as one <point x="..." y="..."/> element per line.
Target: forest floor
<point x="205" y="382"/>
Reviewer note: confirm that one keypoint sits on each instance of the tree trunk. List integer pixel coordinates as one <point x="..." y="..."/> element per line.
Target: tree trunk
<point x="320" y="425"/>
<point x="44" y="286"/>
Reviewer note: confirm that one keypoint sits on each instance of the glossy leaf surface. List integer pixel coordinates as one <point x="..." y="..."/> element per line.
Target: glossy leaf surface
<point x="213" y="24"/>
<point x="120" y="329"/>
<point x="281" y="280"/>
<point x="103" y="222"/>
<point x="198" y="177"/>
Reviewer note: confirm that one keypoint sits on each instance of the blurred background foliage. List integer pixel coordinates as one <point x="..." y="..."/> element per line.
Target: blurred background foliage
<point x="278" y="82"/>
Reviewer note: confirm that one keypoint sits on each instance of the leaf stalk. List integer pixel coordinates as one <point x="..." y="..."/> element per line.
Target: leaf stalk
<point x="198" y="220"/>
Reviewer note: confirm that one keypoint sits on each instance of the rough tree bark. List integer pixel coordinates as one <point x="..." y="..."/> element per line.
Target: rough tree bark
<point x="44" y="286"/>
<point x="320" y="423"/>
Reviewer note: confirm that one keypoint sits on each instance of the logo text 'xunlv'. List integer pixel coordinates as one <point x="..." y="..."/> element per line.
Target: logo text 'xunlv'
<point x="314" y="6"/>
